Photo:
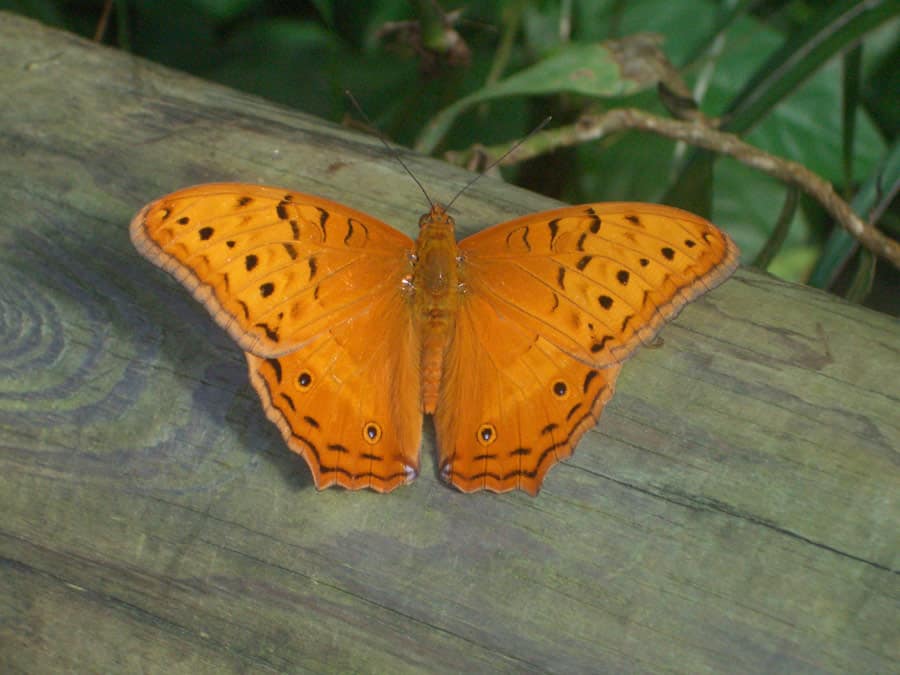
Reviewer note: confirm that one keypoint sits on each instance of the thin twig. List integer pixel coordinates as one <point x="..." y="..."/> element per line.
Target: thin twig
<point x="591" y="127"/>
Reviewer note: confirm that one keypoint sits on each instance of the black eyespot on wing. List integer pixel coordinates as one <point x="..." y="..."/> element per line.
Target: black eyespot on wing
<point x="487" y="434"/>
<point x="371" y="432"/>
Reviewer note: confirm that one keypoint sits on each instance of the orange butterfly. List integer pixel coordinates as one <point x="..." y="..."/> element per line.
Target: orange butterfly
<point x="512" y="338"/>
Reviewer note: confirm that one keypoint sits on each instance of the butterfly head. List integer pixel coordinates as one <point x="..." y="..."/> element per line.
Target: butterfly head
<point x="437" y="218"/>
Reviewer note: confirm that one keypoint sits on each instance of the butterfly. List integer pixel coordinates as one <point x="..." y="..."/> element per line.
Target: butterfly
<point x="512" y="339"/>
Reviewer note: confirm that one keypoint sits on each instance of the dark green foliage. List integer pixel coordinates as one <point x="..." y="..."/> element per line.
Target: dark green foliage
<point x="775" y="71"/>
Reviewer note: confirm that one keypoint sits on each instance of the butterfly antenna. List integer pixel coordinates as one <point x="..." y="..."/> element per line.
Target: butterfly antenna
<point x="506" y="154"/>
<point x="391" y="149"/>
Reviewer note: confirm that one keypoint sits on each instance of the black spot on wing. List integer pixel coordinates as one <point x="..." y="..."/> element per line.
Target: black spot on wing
<point x="561" y="278"/>
<point x="362" y="226"/>
<point x="553" y="226"/>
<point x="287" y="399"/>
<point x="291" y="250"/>
<point x="206" y="233"/>
<point x="588" y="379"/>
<point x="276" y="368"/>
<point x="600" y="346"/>
<point x="271" y="333"/>
<point x="581" y="264"/>
<point x="522" y="232"/>
<point x="323" y="222"/>
<point x="349" y="231"/>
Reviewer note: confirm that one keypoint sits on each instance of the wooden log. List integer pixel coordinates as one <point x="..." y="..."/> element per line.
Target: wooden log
<point x="734" y="511"/>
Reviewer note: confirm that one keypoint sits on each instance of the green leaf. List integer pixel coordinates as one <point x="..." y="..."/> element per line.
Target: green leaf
<point x="880" y="187"/>
<point x="803" y="54"/>
<point x="586" y="69"/>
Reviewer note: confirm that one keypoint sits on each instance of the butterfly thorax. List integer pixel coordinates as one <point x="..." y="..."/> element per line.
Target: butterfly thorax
<point x="435" y="282"/>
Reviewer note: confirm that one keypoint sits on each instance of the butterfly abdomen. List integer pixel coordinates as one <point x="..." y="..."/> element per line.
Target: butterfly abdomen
<point x="435" y="281"/>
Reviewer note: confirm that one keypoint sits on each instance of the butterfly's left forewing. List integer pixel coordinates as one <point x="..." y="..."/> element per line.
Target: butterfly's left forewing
<point x="273" y="267"/>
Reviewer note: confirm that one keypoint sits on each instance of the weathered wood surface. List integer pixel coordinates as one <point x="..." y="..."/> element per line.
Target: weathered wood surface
<point x="735" y="511"/>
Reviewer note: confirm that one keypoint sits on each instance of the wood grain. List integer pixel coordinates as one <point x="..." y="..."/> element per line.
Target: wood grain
<point x="735" y="510"/>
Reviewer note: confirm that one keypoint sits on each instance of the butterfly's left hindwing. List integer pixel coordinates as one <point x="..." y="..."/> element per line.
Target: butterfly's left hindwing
<point x="348" y="400"/>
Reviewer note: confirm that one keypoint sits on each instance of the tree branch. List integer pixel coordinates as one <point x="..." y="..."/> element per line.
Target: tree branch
<point x="593" y="126"/>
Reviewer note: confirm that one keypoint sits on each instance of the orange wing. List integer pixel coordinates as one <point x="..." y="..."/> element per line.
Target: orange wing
<point x="600" y="279"/>
<point x="512" y="403"/>
<point x="552" y="303"/>
<point x="313" y="291"/>
<point x="348" y="400"/>
<point x="273" y="267"/>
